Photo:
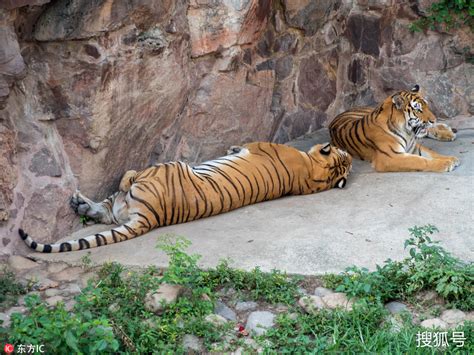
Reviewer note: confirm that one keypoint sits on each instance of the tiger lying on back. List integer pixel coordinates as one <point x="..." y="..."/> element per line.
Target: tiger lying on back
<point x="388" y="135"/>
<point x="172" y="193"/>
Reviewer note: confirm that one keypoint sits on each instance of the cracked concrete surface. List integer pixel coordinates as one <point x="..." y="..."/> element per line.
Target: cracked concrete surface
<point x="363" y="224"/>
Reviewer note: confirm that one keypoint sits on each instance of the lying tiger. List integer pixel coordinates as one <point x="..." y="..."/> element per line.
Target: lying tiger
<point x="175" y="192"/>
<point x="388" y="135"/>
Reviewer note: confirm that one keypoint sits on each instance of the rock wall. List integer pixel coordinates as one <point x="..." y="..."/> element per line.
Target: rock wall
<point x="89" y="89"/>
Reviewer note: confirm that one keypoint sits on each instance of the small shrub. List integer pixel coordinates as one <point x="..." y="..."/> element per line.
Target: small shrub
<point x="446" y="14"/>
<point x="9" y="288"/>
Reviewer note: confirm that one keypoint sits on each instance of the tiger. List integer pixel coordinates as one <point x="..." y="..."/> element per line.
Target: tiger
<point x="175" y="192"/>
<point x="388" y="135"/>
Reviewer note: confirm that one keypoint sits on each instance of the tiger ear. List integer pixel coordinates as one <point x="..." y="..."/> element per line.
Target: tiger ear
<point x="398" y="101"/>
<point x="416" y="88"/>
<point x="326" y="149"/>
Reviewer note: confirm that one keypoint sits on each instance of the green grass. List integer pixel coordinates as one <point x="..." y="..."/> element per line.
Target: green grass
<point x="110" y="315"/>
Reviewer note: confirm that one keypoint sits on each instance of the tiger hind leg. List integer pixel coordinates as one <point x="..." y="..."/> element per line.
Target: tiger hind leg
<point x="101" y="212"/>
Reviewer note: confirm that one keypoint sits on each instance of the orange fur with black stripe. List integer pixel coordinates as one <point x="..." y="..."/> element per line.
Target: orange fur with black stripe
<point x="388" y="136"/>
<point x="172" y="193"/>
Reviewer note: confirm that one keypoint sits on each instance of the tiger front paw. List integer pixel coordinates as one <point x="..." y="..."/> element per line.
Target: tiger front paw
<point x="451" y="163"/>
<point x="442" y="132"/>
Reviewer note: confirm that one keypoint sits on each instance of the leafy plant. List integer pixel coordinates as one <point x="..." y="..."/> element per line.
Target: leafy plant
<point x="61" y="332"/>
<point x="428" y="267"/>
<point x="446" y="14"/>
<point x="9" y="288"/>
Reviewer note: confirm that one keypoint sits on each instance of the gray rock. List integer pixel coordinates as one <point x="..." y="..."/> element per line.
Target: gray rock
<point x="434" y="323"/>
<point x="18" y="263"/>
<point x="5" y="318"/>
<point x="53" y="301"/>
<point x="224" y="311"/>
<point x="259" y="322"/>
<point x="245" y="306"/>
<point x="156" y="301"/>
<point x="338" y="299"/>
<point x="50" y="292"/>
<point x="192" y="343"/>
<point x="322" y="291"/>
<point x="69" y="274"/>
<point x="72" y="289"/>
<point x="56" y="267"/>
<point x="44" y="163"/>
<point x="453" y="316"/>
<point x="215" y="319"/>
<point x="311" y="304"/>
<point x="69" y="305"/>
<point x="395" y="307"/>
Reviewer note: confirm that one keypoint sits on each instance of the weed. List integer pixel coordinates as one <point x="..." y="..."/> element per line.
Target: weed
<point x="9" y="288"/>
<point x="446" y="14"/>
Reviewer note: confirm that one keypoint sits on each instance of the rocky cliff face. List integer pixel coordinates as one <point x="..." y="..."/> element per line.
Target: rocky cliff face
<point x="89" y="89"/>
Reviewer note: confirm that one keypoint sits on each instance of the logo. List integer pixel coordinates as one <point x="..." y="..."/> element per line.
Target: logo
<point x="8" y="348"/>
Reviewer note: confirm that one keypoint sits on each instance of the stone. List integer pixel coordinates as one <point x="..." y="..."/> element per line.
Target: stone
<point x="69" y="274"/>
<point x="84" y="278"/>
<point x="434" y="323"/>
<point x="215" y="319"/>
<point x="223" y="24"/>
<point x="453" y="316"/>
<point x="56" y="267"/>
<point x="69" y="305"/>
<point x="259" y="322"/>
<point x="395" y="307"/>
<point x="45" y="164"/>
<point x="245" y="306"/>
<point x="156" y="301"/>
<point x="53" y="301"/>
<point x="395" y="323"/>
<point x="309" y="15"/>
<point x="316" y="85"/>
<point x="364" y="33"/>
<point x="336" y="300"/>
<point x="19" y="263"/>
<point x="322" y="291"/>
<point x="5" y="320"/>
<point x="224" y="311"/>
<point x="311" y="304"/>
<point x="50" y="292"/>
<point x="71" y="289"/>
<point x="283" y="67"/>
<point x="192" y="343"/>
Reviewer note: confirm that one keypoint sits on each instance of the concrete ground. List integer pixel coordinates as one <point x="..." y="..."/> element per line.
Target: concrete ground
<point x="363" y="224"/>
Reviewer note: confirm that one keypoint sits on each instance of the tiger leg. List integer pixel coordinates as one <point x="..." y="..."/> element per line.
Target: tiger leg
<point x="441" y="132"/>
<point x="101" y="212"/>
<point x="411" y="162"/>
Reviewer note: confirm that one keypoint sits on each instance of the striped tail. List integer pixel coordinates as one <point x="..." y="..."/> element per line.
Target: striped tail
<point x="119" y="234"/>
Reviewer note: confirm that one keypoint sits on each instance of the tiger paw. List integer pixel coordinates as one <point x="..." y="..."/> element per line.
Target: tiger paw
<point x="78" y="204"/>
<point x="451" y="163"/>
<point x="442" y="132"/>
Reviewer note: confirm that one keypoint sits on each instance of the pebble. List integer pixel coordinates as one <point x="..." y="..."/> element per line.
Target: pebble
<point x="338" y="299"/>
<point x="311" y="304"/>
<point x="215" y="319"/>
<point x="453" y="316"/>
<point x="245" y="306"/>
<point x="155" y="301"/>
<point x="192" y="343"/>
<point x="19" y="263"/>
<point x="434" y="323"/>
<point x="395" y="307"/>
<point x="72" y="289"/>
<point x="322" y="291"/>
<point x="224" y="311"/>
<point x="259" y="322"/>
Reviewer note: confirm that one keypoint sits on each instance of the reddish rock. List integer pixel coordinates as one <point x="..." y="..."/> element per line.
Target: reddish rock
<point x="364" y="33"/>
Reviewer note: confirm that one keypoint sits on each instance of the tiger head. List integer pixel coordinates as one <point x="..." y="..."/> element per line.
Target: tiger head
<point x="332" y="167"/>
<point x="417" y="114"/>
